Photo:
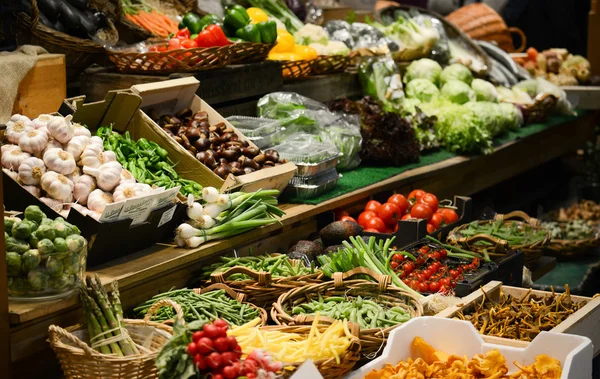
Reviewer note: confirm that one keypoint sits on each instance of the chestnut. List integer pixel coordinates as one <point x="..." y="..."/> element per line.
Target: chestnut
<point x="178" y="139"/>
<point x="250" y="151"/>
<point x="222" y="171"/>
<point x="213" y="128"/>
<point x="192" y="134"/>
<point x="210" y="162"/>
<point x="193" y="150"/>
<point x="236" y="164"/>
<point x="201" y="144"/>
<point x="272" y="155"/>
<point x="204" y="124"/>
<point x="169" y="132"/>
<point x="182" y="130"/>
<point x="184" y="113"/>
<point x="237" y="171"/>
<point x="200" y="116"/>
<point x="211" y="153"/>
<point x="192" y="124"/>
<point x="249" y="170"/>
<point x="230" y="155"/>
<point x="201" y="156"/>
<point x="223" y="161"/>
<point x="231" y="143"/>
<point x="260" y="158"/>
<point x="234" y="137"/>
<point x="225" y="137"/>
<point x="250" y="163"/>
<point x="221" y="126"/>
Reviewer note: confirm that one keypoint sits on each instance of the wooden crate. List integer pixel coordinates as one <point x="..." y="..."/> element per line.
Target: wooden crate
<point x="43" y="88"/>
<point x="585" y="322"/>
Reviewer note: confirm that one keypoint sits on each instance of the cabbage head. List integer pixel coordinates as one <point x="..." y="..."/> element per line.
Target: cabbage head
<point x="458" y="92"/>
<point x="456" y="71"/>
<point x="421" y="89"/>
<point x="424" y="68"/>
<point x="484" y="90"/>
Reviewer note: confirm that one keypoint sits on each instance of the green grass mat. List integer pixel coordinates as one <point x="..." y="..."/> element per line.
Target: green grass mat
<point x="364" y="176"/>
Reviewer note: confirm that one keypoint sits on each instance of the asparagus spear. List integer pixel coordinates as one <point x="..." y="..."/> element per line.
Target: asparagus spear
<point x="102" y="321"/>
<point x="94" y="328"/>
<point x="118" y="309"/>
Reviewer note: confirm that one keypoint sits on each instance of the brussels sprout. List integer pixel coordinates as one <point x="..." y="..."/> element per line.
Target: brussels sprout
<point x="54" y="266"/>
<point x="31" y="259"/>
<point x="18" y="285"/>
<point x="33" y="240"/>
<point x="6" y="236"/>
<point x="34" y="213"/>
<point x="72" y="263"/>
<point x="75" y="243"/>
<point x="60" y="228"/>
<point x="72" y="229"/>
<point x="484" y="90"/>
<point x="424" y="68"/>
<point x="60" y="245"/>
<point x="16" y="245"/>
<point x="45" y="247"/>
<point x="421" y="89"/>
<point x="46" y="221"/>
<point x="46" y="231"/>
<point x="23" y="229"/>
<point x="458" y="92"/>
<point x="456" y="71"/>
<point x="9" y="222"/>
<point x="62" y="282"/>
<point x="13" y="263"/>
<point x="38" y="279"/>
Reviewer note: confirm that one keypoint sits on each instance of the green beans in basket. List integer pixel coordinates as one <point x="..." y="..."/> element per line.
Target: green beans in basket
<point x="279" y="266"/>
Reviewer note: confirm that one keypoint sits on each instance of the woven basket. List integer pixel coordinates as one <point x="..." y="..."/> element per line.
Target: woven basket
<point x="479" y="21"/>
<point x="329" y="368"/>
<point x="499" y="246"/>
<point x="567" y="249"/>
<point x="247" y="52"/>
<point x="263" y="290"/>
<point x="79" y="53"/>
<point x="78" y="360"/>
<point x="166" y="62"/>
<point x="371" y="340"/>
<point x="541" y="108"/>
<point x="295" y="69"/>
<point x="329" y="64"/>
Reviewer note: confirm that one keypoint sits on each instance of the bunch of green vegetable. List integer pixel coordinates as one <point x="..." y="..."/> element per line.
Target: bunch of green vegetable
<point x="277" y="9"/>
<point x="515" y="233"/>
<point x="415" y="41"/>
<point x="367" y="313"/>
<point x="43" y="256"/>
<point x="570" y="230"/>
<point x="104" y="317"/>
<point x="205" y="307"/>
<point x="146" y="160"/>
<point x="279" y="266"/>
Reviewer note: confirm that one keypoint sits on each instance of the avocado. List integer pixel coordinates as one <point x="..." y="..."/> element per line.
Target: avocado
<point x="303" y="249"/>
<point x="339" y="231"/>
<point x="333" y="249"/>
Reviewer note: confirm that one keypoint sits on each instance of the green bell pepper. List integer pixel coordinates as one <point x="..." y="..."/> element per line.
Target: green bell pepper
<point x="209" y="19"/>
<point x="193" y="22"/>
<point x="236" y="17"/>
<point x="268" y="31"/>
<point x="249" y="33"/>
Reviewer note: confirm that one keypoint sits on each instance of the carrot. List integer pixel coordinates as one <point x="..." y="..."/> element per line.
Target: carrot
<point x="149" y="26"/>
<point x="161" y="30"/>
<point x="163" y="21"/>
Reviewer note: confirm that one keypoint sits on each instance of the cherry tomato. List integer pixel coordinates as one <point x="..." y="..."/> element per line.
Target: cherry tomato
<point x="437" y="220"/>
<point x="394" y="264"/>
<point x="400" y="201"/>
<point x="443" y="253"/>
<point x="339" y="213"/>
<point x="188" y="43"/>
<point x="424" y="249"/>
<point x="444" y="281"/>
<point x="432" y="268"/>
<point x="364" y="217"/>
<point x="370" y="230"/>
<point x="414" y="285"/>
<point x="423" y="287"/>
<point x="406" y="217"/>
<point x="415" y="195"/>
<point x="434" y="286"/>
<point x="436" y="256"/>
<point x="430" y="228"/>
<point x="402" y="275"/>
<point x="421" y="277"/>
<point x="430" y="200"/>
<point x="373" y="205"/>
<point x="444" y="289"/>
<point x="376" y="223"/>
<point x="452" y="284"/>
<point x="174" y="43"/>
<point x="420" y="261"/>
<point x="454" y="273"/>
<point x="390" y="214"/>
<point x="348" y="218"/>
<point x="450" y="215"/>
<point x="421" y="211"/>
<point x="398" y="257"/>
<point x="408" y="267"/>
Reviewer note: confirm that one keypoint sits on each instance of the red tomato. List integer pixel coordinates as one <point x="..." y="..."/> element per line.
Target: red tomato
<point x="444" y="282"/>
<point x="408" y="267"/>
<point x="390" y="214"/>
<point x="398" y="257"/>
<point x="421" y="211"/>
<point x="394" y="265"/>
<point x="424" y="249"/>
<point x="364" y="217"/>
<point x="444" y="288"/>
<point x="174" y="43"/>
<point x="443" y="253"/>
<point x="188" y="43"/>
<point x="183" y="33"/>
<point x="436" y="256"/>
<point x="423" y="287"/>
<point x="376" y="223"/>
<point x="406" y="217"/>
<point x="387" y="231"/>
<point x="373" y="205"/>
<point x="450" y="215"/>
<point x="395" y="228"/>
<point x="437" y="220"/>
<point x="434" y="287"/>
<point x="454" y="273"/>
<point x="339" y="213"/>
<point x="430" y="228"/>
<point x="415" y="195"/>
<point x="430" y="200"/>
<point x="370" y="230"/>
<point x="348" y="218"/>
<point x="400" y="201"/>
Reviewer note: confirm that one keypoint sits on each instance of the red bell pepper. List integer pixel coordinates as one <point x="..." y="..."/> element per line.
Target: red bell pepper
<point x="183" y="34"/>
<point x="188" y="43"/>
<point x="211" y="36"/>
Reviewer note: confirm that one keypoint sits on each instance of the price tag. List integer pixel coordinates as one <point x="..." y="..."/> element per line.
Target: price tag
<point x="167" y="216"/>
<point x="307" y="370"/>
<point x="137" y="209"/>
<point x="111" y="212"/>
<point x="165" y="197"/>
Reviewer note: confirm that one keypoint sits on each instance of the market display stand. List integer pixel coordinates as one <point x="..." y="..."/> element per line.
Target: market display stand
<point x="157" y="269"/>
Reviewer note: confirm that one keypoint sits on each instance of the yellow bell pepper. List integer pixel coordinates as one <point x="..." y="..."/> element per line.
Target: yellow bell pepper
<point x="257" y="15"/>
<point x="306" y="52"/>
<point x="285" y="42"/>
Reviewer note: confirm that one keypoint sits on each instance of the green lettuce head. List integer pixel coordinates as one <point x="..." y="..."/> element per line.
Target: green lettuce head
<point x="456" y="71"/>
<point x="424" y="68"/>
<point x="421" y="89"/>
<point x="458" y="92"/>
<point x="484" y="90"/>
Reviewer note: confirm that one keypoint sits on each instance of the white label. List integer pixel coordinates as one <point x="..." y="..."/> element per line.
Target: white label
<point x="167" y="216"/>
<point x="111" y="212"/>
<point x="137" y="209"/>
<point x="307" y="371"/>
<point x="165" y="197"/>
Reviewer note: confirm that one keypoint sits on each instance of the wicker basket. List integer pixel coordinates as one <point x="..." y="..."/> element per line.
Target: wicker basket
<point x="573" y="248"/>
<point x="371" y="340"/>
<point x="263" y="290"/>
<point x="541" y="108"/>
<point x="78" y="360"/>
<point x="479" y="21"/>
<point x="329" y="368"/>
<point x="295" y="69"/>
<point x="79" y="53"/>
<point x="166" y="62"/>
<point x="499" y="246"/>
<point x="329" y="64"/>
<point x="248" y="52"/>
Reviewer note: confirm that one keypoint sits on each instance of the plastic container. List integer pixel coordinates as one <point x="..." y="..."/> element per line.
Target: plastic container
<point x="310" y="156"/>
<point x="460" y="338"/>
<point x="318" y="179"/>
<point x="320" y="184"/>
<point x="261" y="131"/>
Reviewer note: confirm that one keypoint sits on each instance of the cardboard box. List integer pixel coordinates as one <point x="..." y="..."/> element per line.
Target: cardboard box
<point x="169" y="97"/>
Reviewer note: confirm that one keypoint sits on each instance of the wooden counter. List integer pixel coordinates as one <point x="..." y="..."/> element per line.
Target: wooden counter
<point x="161" y="267"/>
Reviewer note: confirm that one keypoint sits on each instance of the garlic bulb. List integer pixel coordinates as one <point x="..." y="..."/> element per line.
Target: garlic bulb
<point x="80" y="208"/>
<point x="60" y="161"/>
<point x="52" y="144"/>
<point x="14" y="158"/>
<point x="107" y="175"/>
<point x="34" y="141"/>
<point x="76" y="146"/>
<point x="108" y="156"/>
<point x="57" y="186"/>
<point x="130" y="190"/>
<point x="19" y="117"/>
<point x="35" y="191"/>
<point x="98" y="200"/>
<point x="31" y="171"/>
<point x="75" y="174"/>
<point x="7" y="148"/>
<point x="126" y="177"/>
<point x="61" y="129"/>
<point x="12" y="174"/>
<point x="16" y="129"/>
<point x="84" y="185"/>
<point x="91" y="155"/>
<point x="95" y="140"/>
<point x="55" y="205"/>
<point x="41" y="121"/>
<point x="80" y="130"/>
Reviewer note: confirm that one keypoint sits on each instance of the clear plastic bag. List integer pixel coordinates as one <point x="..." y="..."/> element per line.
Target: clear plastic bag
<point x="344" y="133"/>
<point x="380" y="78"/>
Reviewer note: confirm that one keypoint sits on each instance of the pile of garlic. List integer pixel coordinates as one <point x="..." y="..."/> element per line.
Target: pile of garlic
<point x="60" y="163"/>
